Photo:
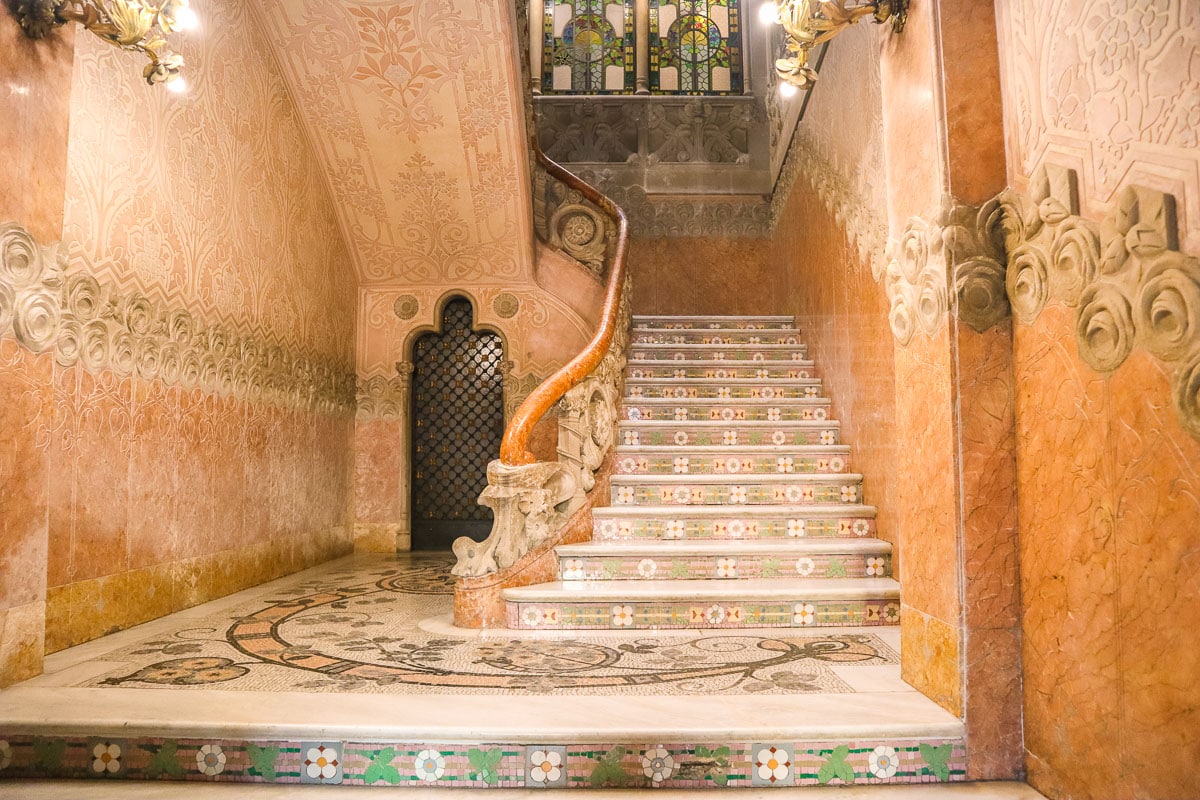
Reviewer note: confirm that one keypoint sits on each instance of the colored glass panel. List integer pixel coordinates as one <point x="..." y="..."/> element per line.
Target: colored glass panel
<point x="695" y="47"/>
<point x="588" y="47"/>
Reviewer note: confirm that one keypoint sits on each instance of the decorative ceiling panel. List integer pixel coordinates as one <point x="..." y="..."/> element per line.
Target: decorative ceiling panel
<point x="415" y="109"/>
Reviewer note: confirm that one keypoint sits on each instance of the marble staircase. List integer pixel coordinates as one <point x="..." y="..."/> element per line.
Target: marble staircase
<point x="734" y="504"/>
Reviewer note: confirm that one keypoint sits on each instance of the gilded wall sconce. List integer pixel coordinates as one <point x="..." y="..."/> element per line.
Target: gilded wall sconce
<point x="809" y="23"/>
<point x="137" y="25"/>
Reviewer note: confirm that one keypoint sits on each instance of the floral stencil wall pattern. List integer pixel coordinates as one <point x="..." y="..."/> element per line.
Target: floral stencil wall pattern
<point x="413" y="108"/>
<point x="1111" y="90"/>
<point x="211" y="201"/>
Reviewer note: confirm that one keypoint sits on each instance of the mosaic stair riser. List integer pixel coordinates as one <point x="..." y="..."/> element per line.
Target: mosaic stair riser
<point x="670" y="615"/>
<point x="743" y="494"/>
<point x="684" y="437"/>
<point x="717" y="392"/>
<point x="718" y="354"/>
<point x="732" y="465"/>
<point x="795" y="411"/>
<point x="683" y="528"/>
<point x="703" y="765"/>
<point x="665" y="567"/>
<point x="708" y="372"/>
<point x="727" y="338"/>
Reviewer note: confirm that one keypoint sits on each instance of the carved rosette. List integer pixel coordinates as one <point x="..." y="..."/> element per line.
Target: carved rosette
<point x="47" y="306"/>
<point x="1124" y="276"/>
<point x="963" y="251"/>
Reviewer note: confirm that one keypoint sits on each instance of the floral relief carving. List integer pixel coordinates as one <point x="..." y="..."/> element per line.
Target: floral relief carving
<point x="439" y="196"/>
<point x="1125" y="276"/>
<point x="210" y="204"/>
<point x="1111" y="89"/>
<point x="49" y="304"/>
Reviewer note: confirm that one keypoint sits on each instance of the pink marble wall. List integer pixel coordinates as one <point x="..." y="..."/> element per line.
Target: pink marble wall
<point x="126" y="498"/>
<point x="34" y="105"/>
<point x="1110" y="525"/>
<point x="705" y="275"/>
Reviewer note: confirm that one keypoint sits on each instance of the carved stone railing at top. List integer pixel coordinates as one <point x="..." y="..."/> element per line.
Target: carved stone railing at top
<point x="532" y="500"/>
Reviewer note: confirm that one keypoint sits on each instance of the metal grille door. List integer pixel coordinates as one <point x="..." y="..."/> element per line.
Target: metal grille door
<point x="458" y="421"/>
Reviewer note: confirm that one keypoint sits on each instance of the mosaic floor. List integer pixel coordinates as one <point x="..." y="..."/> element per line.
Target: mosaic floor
<point x="381" y="625"/>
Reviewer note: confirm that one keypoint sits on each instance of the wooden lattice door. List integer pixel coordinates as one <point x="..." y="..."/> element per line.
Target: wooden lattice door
<point x="458" y="421"/>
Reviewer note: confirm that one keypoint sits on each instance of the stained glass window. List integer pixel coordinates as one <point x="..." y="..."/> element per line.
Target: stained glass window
<point x="695" y="47"/>
<point x="588" y="47"/>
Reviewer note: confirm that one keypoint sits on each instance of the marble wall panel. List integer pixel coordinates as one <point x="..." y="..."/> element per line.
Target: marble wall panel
<point x="842" y="313"/>
<point x="35" y="107"/>
<point x="1109" y="505"/>
<point x="705" y="275"/>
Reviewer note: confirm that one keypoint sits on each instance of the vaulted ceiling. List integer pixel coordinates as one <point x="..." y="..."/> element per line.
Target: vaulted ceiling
<point x="415" y="109"/>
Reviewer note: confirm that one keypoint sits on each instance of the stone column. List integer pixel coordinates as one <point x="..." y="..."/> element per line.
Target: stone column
<point x="537" y="10"/>
<point x="404" y="370"/>
<point x="954" y="379"/>
<point x="641" y="36"/>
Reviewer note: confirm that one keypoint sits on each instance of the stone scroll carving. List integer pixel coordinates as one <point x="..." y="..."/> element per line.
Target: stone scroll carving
<point x="1125" y="276"/>
<point x="567" y="221"/>
<point x="49" y="305"/>
<point x="534" y="501"/>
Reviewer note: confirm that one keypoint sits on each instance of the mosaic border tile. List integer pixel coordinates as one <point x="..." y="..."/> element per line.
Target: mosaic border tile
<point x="664" y="567"/>
<point x="778" y="527"/>
<point x="707" y="765"/>
<point x="680" y="614"/>
<point x="685" y="436"/>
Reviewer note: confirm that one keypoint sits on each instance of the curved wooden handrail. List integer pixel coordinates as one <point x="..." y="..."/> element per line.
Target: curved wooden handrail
<point x="514" y="449"/>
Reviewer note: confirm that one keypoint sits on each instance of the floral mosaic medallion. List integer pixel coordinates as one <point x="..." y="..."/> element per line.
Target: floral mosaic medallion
<point x="358" y="629"/>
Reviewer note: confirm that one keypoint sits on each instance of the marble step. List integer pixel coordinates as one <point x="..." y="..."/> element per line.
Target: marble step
<point x="745" y="603"/>
<point x="760" y="370"/>
<point x="686" y="434"/>
<point x="635" y="459"/>
<point x="663" y="350"/>
<point x="727" y="338"/>
<point x="672" y="522"/>
<point x="725" y="560"/>
<point x="736" y="490"/>
<point x="704" y="389"/>
<point x="713" y="323"/>
<point x="799" y="409"/>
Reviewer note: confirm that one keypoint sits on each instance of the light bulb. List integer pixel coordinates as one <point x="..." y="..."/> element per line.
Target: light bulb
<point x="186" y="19"/>
<point x="177" y="85"/>
<point x="787" y="90"/>
<point x="768" y="13"/>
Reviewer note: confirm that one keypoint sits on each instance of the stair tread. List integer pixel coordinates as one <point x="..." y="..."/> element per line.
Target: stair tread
<point x="684" y="547"/>
<point x="817" y="510"/>
<point x="782" y="589"/>
<point x="699" y="362"/>
<point x="731" y="402"/>
<point x="697" y="381"/>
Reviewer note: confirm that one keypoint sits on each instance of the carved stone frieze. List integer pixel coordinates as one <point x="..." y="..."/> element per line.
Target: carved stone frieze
<point x="49" y="305"/>
<point x="863" y="224"/>
<point x="1125" y="276"/>
<point x="381" y="397"/>
<point x="700" y="132"/>
<point x="956" y="263"/>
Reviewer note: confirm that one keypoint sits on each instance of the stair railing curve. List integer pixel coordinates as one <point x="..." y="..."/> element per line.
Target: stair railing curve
<point x="531" y="500"/>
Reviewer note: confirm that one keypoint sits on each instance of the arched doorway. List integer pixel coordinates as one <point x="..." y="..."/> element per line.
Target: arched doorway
<point x="458" y="421"/>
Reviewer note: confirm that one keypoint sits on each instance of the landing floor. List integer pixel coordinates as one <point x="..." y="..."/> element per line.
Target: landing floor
<point x="359" y="657"/>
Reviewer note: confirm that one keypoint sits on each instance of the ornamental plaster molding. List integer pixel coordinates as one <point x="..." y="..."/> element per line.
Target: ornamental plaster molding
<point x="385" y="398"/>
<point x="50" y="306"/>
<point x="860" y="222"/>
<point x="1125" y="277"/>
<point x="956" y="263"/>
